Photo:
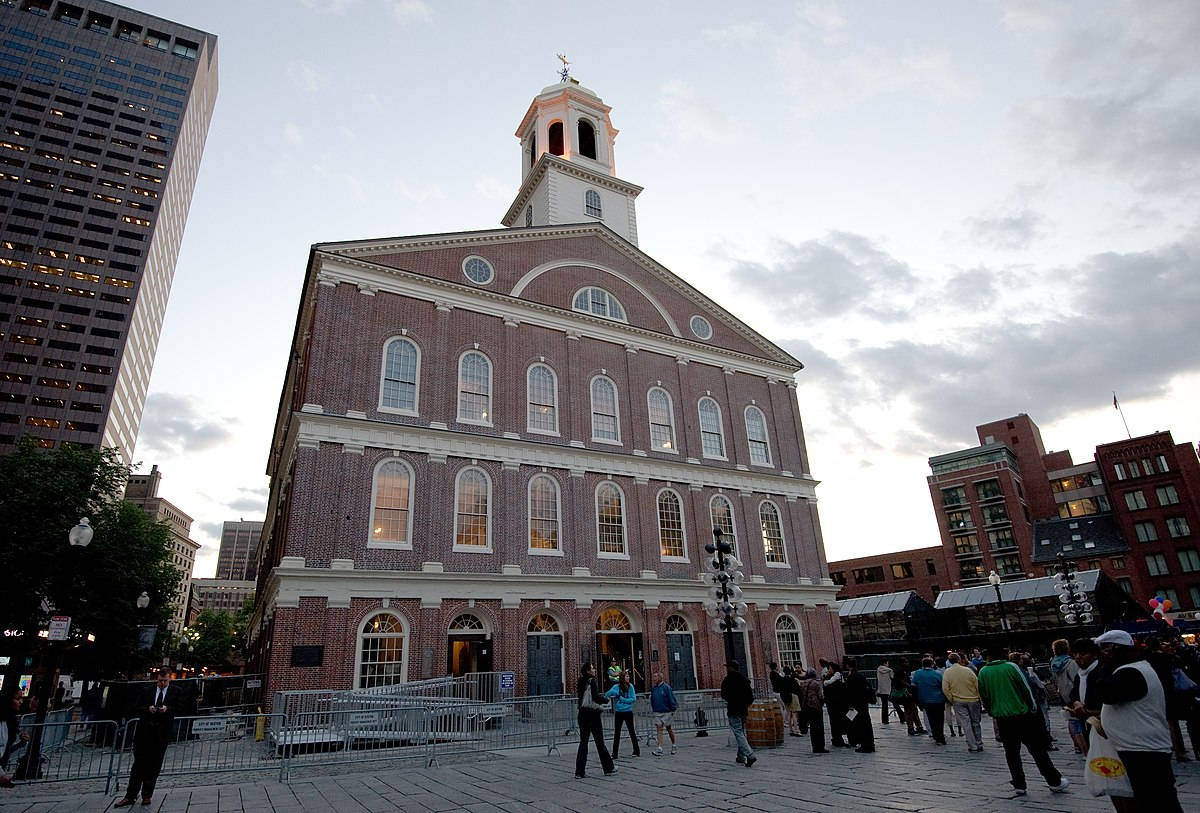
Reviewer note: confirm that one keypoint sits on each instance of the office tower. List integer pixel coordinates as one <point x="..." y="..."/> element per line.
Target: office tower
<point x="238" y="557"/>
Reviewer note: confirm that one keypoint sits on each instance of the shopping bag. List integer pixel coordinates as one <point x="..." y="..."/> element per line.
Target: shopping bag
<point x="1106" y="774"/>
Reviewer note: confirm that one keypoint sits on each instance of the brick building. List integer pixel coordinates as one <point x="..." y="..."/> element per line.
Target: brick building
<point x="922" y="570"/>
<point x="505" y="450"/>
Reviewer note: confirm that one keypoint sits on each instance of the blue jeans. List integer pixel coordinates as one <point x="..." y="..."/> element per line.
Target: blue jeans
<point x="738" y="726"/>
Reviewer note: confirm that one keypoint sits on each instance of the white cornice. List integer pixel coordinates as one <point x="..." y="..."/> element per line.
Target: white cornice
<point x="552" y="163"/>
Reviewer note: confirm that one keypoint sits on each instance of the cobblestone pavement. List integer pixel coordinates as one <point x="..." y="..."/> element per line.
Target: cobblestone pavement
<point x="905" y="774"/>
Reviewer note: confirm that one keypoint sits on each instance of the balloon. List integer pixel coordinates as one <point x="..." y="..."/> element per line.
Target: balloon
<point x="1166" y="605"/>
<point x="1153" y="603"/>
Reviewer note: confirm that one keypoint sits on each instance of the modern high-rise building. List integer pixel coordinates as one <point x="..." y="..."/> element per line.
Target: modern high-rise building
<point x="142" y="491"/>
<point x="104" y="112"/>
<point x="238" y="557"/>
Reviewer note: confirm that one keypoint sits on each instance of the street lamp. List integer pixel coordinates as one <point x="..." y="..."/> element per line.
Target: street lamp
<point x="1072" y="601"/>
<point x="994" y="581"/>
<point x="728" y="610"/>
<point x="143" y="601"/>
<point x="81" y="535"/>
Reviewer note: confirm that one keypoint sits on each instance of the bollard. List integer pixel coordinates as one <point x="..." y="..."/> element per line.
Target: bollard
<point x="260" y="726"/>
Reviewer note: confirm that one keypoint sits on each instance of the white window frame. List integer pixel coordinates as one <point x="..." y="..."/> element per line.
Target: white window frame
<point x="1178" y="527"/>
<point x="764" y="441"/>
<point x="795" y="630"/>
<point x="670" y="425"/>
<point x="616" y="415"/>
<point x="459" y="392"/>
<point x="416" y="376"/>
<point x="590" y="195"/>
<point x="458" y="481"/>
<point x="361" y="636"/>
<point x="683" y="541"/>
<point x="720" y="432"/>
<point x="529" y="403"/>
<point x="390" y="544"/>
<point x="1156" y="565"/>
<point x="558" y="551"/>
<point x="609" y="302"/>
<point x="782" y="534"/>
<point x="601" y="554"/>
<point x="730" y="537"/>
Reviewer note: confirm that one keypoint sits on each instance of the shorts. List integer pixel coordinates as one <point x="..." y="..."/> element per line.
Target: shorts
<point x="666" y="719"/>
<point x="1075" y="726"/>
<point x="795" y="704"/>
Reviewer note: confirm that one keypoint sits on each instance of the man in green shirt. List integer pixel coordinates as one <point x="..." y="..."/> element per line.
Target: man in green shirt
<point x="1009" y="700"/>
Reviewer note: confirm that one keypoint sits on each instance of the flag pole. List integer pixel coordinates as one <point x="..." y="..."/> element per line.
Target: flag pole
<point x="1117" y="407"/>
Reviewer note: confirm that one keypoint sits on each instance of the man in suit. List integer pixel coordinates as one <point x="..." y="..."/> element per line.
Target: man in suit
<point x="156" y="717"/>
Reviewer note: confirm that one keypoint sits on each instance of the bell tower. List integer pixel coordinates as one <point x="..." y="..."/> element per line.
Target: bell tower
<point x="568" y="171"/>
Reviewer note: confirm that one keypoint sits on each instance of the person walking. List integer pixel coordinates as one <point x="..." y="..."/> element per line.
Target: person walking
<point x="927" y="688"/>
<point x="1134" y="718"/>
<point x="883" y="688"/>
<point x="663" y="705"/>
<point x="1006" y="696"/>
<point x="837" y="702"/>
<point x="860" y="695"/>
<point x="155" y="726"/>
<point x="623" y="696"/>
<point x="1064" y="671"/>
<point x="811" y="694"/>
<point x="738" y="695"/>
<point x="902" y="699"/>
<point x="961" y="688"/>
<point x="590" y="702"/>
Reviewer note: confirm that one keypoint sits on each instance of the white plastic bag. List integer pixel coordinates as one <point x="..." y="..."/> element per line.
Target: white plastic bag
<point x="1106" y="774"/>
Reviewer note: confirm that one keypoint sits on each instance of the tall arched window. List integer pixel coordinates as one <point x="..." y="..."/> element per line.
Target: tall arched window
<point x="756" y="435"/>
<point x="475" y="388"/>
<point x="541" y="387"/>
<point x="662" y="420"/>
<point x="587" y="138"/>
<point x="591" y="203"/>
<point x="391" y="500"/>
<point x="671" y="542"/>
<point x="382" y="653"/>
<point x="543" y="515"/>
<point x="598" y="302"/>
<point x="772" y="534"/>
<point x="721" y="513"/>
<point x="712" y="434"/>
<point x="788" y="642"/>
<point x="610" y="521"/>
<point x="606" y="425"/>
<point x="473" y="511"/>
<point x="556" y="137"/>
<point x="399" y="381"/>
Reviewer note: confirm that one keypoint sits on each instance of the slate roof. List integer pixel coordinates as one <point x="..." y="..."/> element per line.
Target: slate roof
<point x="1099" y="535"/>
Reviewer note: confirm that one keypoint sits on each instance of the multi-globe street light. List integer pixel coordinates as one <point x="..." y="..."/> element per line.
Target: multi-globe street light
<point x="728" y="611"/>
<point x="1072" y="599"/>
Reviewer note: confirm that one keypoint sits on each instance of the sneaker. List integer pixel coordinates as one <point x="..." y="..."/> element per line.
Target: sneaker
<point x="1061" y="787"/>
<point x="658" y="752"/>
<point x="1019" y="791"/>
<point x="674" y="750"/>
<point x="751" y="760"/>
<point x="741" y="760"/>
<point x="613" y="771"/>
<point x="581" y="776"/>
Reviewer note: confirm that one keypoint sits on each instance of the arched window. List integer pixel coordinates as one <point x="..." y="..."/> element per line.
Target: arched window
<point x="473" y="511"/>
<point x="587" y="139"/>
<point x="788" y="642"/>
<point x="712" y="434"/>
<point x="721" y="512"/>
<point x="610" y="521"/>
<point x="391" y="498"/>
<point x="606" y="425"/>
<point x="381" y="651"/>
<point x="756" y="435"/>
<point x="467" y="624"/>
<point x="401" y="373"/>
<point x="541" y="388"/>
<point x="475" y="388"/>
<point x="556" y="137"/>
<point x="670" y="526"/>
<point x="591" y="203"/>
<point x="543" y="514"/>
<point x="598" y="302"/>
<point x="613" y="620"/>
<point x="677" y="623"/>
<point x="545" y="624"/>
<point x="662" y="420"/>
<point x="772" y="533"/>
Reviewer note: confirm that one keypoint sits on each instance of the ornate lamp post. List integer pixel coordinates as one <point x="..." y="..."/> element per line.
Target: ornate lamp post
<point x="728" y="611"/>
<point x="1072" y="601"/>
<point x="994" y="581"/>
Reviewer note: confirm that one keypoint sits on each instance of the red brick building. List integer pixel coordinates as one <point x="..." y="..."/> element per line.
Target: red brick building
<point x="921" y="569"/>
<point x="505" y="450"/>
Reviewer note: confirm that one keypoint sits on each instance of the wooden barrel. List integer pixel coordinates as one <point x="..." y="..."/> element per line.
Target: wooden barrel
<point x="764" y="724"/>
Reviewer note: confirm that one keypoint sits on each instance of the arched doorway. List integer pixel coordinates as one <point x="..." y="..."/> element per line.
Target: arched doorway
<point x="469" y="646"/>
<point x="617" y="640"/>
<point x="544" y="647"/>
<point x="681" y="657"/>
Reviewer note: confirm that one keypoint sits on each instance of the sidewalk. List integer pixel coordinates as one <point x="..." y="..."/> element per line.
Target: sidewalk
<point x="905" y="774"/>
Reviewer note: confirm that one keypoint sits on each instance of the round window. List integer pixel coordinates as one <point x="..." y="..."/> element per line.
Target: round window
<point x="478" y="270"/>
<point x="701" y="327"/>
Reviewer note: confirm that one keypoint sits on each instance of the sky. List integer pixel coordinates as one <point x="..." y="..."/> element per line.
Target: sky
<point x="950" y="212"/>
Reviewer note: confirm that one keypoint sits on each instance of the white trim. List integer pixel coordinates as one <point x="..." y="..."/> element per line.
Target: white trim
<point x="390" y="544"/>
<point x="491" y="269"/>
<point x="416" y="384"/>
<point x="782" y="534"/>
<point x="624" y="554"/>
<point x="537" y="271"/>
<point x="766" y="435"/>
<point x="482" y="618"/>
<point x="458" y="390"/>
<point x="616" y="392"/>
<point x="720" y="428"/>
<point x="457" y="548"/>
<point x="670" y="417"/>
<point x="558" y="551"/>
<point x="624" y="318"/>
<point x="528" y="401"/>
<point x="358" y="643"/>
<point x="682" y="525"/>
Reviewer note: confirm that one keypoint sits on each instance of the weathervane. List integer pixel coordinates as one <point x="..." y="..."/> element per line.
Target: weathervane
<point x="565" y="73"/>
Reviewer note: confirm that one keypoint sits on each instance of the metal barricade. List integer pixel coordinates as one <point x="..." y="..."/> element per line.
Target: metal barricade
<point x="356" y="734"/>
<point x="69" y="750"/>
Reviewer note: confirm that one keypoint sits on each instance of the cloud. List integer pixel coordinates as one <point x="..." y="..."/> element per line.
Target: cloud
<point x="178" y="424"/>
<point x="823" y="15"/>
<point x="307" y="77"/>
<point x="292" y="134"/>
<point x="1016" y="230"/>
<point x="411" y="11"/>
<point x="740" y="33"/>
<point x="692" y="117"/>
<point x="212" y="529"/>
<point x="491" y="188"/>
<point x="328" y="6"/>
<point x="247" y="505"/>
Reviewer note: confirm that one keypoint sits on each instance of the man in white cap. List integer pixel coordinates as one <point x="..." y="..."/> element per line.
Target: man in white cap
<point x="1134" y="718"/>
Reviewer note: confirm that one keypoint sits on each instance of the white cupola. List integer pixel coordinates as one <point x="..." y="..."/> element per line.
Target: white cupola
<point x="568" y="172"/>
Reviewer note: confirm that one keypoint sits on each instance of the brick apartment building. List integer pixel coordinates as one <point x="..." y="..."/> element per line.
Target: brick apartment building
<point x="1011" y="507"/>
<point x="505" y="450"/>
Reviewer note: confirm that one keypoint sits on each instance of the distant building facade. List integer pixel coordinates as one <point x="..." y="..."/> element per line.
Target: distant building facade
<point x="238" y="556"/>
<point x="922" y="570"/>
<point x="222" y="595"/>
<point x="142" y="491"/>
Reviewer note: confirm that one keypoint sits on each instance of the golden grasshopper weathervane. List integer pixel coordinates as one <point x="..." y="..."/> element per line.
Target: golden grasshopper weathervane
<point x="565" y="73"/>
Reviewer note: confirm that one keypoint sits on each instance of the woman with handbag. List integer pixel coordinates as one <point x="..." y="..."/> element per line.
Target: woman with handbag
<point x="590" y="701"/>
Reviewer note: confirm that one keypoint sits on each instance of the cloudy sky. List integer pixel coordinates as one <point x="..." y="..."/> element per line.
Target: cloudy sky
<point x="951" y="212"/>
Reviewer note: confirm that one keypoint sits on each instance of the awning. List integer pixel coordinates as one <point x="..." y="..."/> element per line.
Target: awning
<point x="869" y="605"/>
<point x="1023" y="590"/>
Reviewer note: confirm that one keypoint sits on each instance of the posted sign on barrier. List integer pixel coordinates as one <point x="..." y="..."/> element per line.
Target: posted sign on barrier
<point x="508" y="680"/>
<point x="211" y="725"/>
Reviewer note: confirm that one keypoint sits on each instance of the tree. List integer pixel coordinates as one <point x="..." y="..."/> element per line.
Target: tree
<point x="45" y="493"/>
<point x="213" y="639"/>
